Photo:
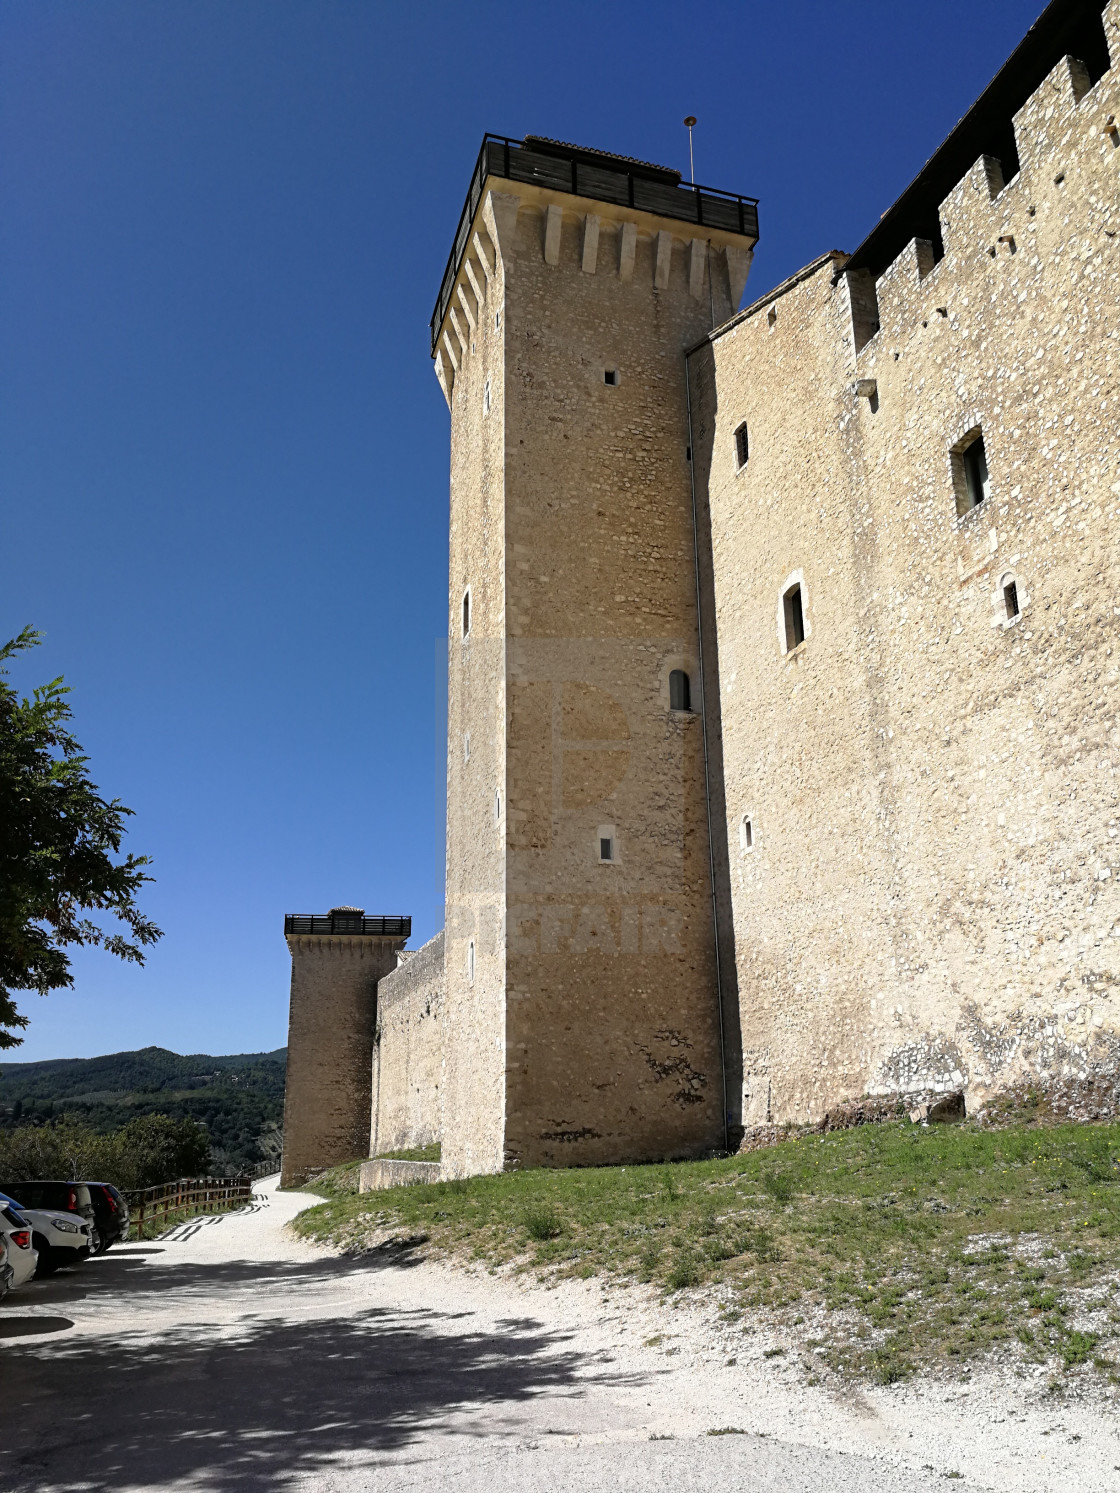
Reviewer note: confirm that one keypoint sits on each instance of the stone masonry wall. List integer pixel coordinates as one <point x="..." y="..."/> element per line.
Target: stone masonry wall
<point x="582" y="1012"/>
<point x="613" y="1049"/>
<point x="408" y="1052"/>
<point x="474" y="1009"/>
<point x="928" y="899"/>
<point x="327" y="1091"/>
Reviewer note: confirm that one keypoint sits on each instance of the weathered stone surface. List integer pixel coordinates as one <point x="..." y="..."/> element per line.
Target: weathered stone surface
<point x="380" y="1172"/>
<point x="581" y="1013"/>
<point x="408" y="1052"/>
<point x="929" y="898"/>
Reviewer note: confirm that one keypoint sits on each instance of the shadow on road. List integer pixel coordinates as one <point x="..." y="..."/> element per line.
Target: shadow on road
<point x="130" y="1272"/>
<point x="32" y="1326"/>
<point x="256" y="1399"/>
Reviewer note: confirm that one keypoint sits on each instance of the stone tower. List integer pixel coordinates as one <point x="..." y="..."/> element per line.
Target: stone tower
<point x="583" y="1018"/>
<point x="337" y="961"/>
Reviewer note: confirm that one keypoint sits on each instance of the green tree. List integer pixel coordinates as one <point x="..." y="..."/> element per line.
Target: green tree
<point x="154" y="1148"/>
<point x="58" y="837"/>
<point x="147" y="1151"/>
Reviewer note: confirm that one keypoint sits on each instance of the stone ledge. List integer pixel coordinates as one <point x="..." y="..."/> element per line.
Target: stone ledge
<point x="379" y="1172"/>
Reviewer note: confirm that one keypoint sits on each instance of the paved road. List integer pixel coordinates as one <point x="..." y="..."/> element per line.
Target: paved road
<point x="229" y="1356"/>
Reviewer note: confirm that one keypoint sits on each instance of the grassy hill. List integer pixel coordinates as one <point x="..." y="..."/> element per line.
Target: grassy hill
<point x="239" y="1098"/>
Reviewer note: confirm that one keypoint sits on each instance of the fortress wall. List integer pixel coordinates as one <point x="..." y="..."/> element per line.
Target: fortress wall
<point x="408" y="1053"/>
<point x="811" y="895"/>
<point x="931" y="898"/>
<point x="474" y="1008"/>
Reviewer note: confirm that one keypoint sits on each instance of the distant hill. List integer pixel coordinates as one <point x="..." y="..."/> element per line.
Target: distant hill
<point x="240" y="1099"/>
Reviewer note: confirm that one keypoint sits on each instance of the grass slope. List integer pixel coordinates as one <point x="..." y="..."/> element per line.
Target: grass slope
<point x="885" y="1245"/>
<point x="239" y="1098"/>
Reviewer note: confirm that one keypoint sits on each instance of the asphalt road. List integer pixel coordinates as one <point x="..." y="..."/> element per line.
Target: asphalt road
<point x="230" y="1356"/>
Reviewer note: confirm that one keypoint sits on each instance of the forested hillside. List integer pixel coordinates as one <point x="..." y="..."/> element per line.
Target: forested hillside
<point x="239" y="1098"/>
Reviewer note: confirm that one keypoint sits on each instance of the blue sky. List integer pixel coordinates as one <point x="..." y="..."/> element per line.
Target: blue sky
<point x="222" y="449"/>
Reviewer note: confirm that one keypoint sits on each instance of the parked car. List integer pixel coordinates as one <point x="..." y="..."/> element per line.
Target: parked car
<point x="64" y="1235"/>
<point x="5" y="1269"/>
<point x="60" y="1197"/>
<point x="111" y="1212"/>
<point x="23" y="1257"/>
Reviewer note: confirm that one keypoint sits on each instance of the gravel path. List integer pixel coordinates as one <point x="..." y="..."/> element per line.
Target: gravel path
<point x="229" y="1355"/>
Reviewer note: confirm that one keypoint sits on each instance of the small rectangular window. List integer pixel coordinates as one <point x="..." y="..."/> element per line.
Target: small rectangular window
<point x="680" y="693"/>
<point x="486" y="397"/>
<point x="970" y="472"/>
<point x="746" y="833"/>
<point x="795" y="619"/>
<point x="466" y="611"/>
<point x="1011" y="600"/>
<point x="610" y="376"/>
<point x="976" y="472"/>
<point x="470" y="962"/>
<point x="606" y="848"/>
<point x="742" y="445"/>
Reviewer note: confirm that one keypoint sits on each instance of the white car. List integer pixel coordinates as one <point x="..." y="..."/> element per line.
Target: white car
<point x="5" y="1269"/>
<point x="23" y="1257"/>
<point x="59" y="1238"/>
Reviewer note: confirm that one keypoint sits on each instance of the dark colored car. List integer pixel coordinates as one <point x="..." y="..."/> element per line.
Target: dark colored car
<point x="63" y="1197"/>
<point x="59" y="1237"/>
<point x="111" y="1212"/>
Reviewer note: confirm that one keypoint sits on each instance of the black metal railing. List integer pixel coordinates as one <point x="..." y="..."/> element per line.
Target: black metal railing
<point x="609" y="179"/>
<point x="347" y="922"/>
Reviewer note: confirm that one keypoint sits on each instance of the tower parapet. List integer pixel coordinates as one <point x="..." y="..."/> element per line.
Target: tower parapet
<point x="632" y="198"/>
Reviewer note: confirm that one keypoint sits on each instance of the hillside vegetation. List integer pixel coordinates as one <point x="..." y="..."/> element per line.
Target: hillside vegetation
<point x="239" y="1098"/>
<point x="878" y="1250"/>
<point x="144" y="1153"/>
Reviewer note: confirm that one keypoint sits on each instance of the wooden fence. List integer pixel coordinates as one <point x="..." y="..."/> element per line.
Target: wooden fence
<point x="153" y="1209"/>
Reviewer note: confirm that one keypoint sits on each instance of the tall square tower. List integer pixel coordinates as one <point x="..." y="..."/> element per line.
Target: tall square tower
<point x="583" y="1003"/>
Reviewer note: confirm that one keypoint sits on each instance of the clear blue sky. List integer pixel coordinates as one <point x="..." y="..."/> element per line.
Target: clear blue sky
<point x="223" y="453"/>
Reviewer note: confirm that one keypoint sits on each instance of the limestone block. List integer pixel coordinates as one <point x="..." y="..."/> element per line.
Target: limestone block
<point x="697" y="259"/>
<point x="663" y="262"/>
<point x="379" y="1173"/>
<point x="627" y="249"/>
<point x="590" y="242"/>
<point x="553" y="221"/>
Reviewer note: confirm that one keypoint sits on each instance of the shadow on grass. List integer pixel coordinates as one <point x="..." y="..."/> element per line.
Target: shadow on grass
<point x="262" y="1398"/>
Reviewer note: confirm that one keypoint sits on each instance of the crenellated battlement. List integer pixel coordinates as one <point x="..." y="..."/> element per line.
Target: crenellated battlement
<point x="991" y="216"/>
